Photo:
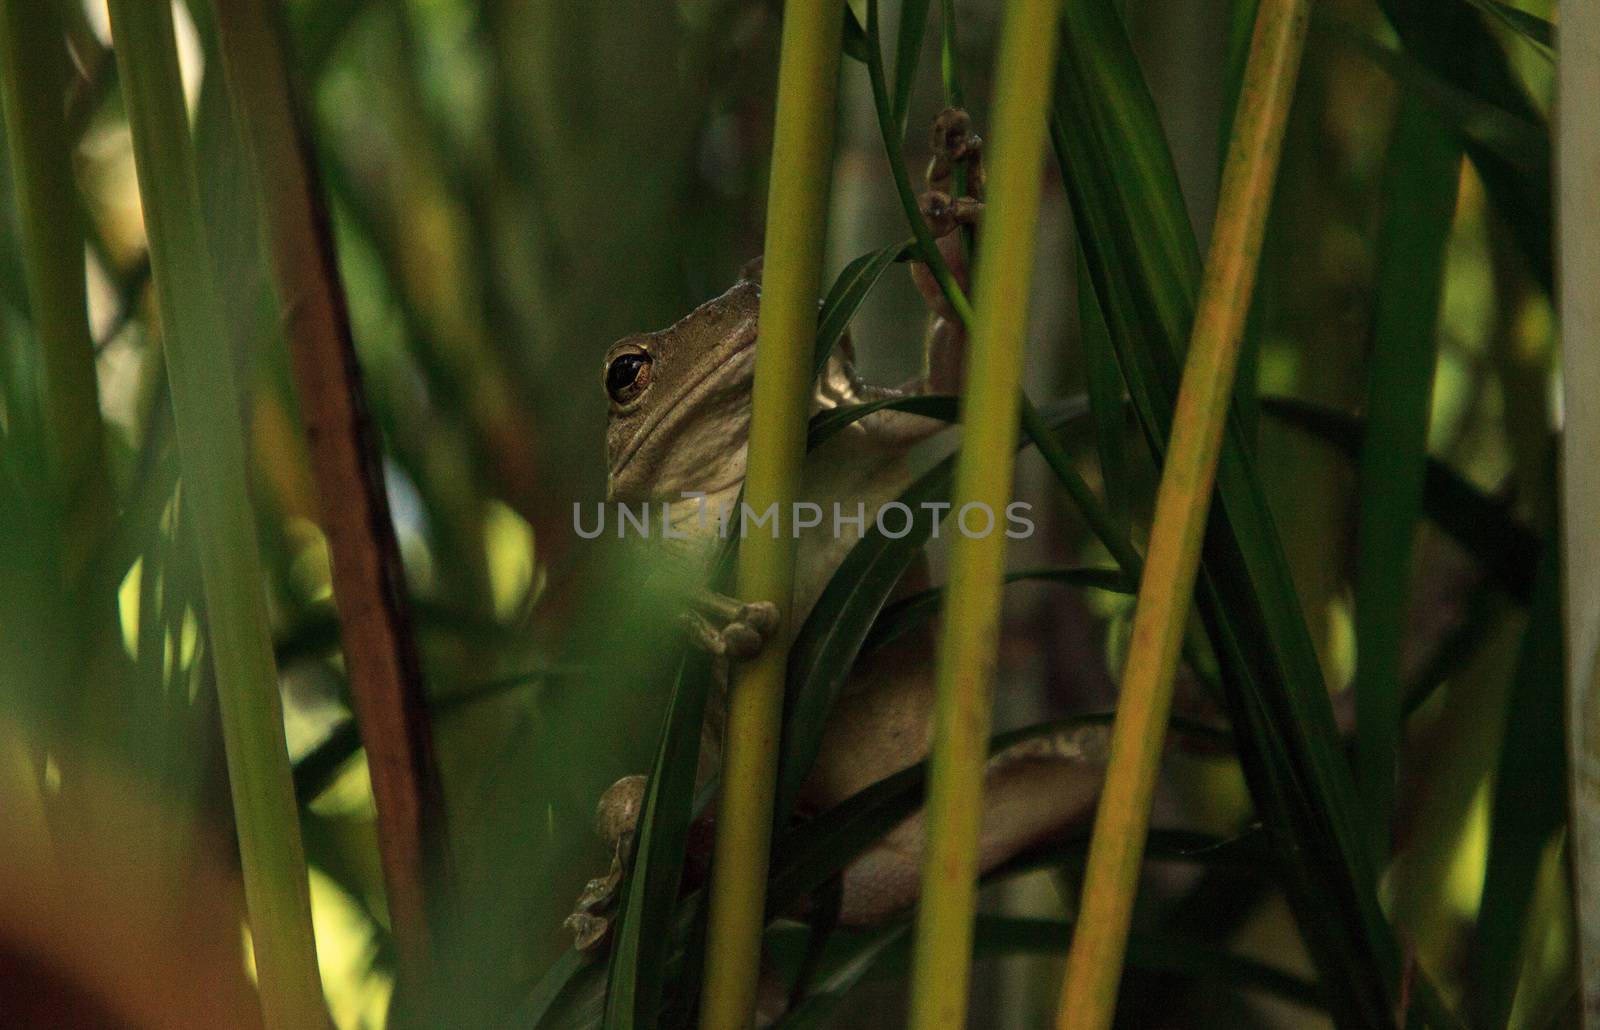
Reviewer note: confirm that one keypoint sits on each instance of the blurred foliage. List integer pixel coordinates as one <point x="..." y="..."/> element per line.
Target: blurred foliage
<point x="516" y="185"/>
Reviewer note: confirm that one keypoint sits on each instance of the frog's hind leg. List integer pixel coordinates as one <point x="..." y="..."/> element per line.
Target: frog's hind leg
<point x="1034" y="794"/>
<point x="616" y="820"/>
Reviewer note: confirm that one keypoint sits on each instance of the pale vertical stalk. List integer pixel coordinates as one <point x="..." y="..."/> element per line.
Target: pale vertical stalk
<point x="990" y="413"/>
<point x="211" y="449"/>
<point x="380" y="651"/>
<point x="1094" y="964"/>
<point x="33" y="80"/>
<point x="1578" y="254"/>
<point x="791" y="280"/>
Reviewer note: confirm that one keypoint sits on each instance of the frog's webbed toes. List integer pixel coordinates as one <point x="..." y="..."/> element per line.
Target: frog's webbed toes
<point x="944" y="213"/>
<point x="617" y="820"/>
<point x="952" y="136"/>
<point x="590" y="921"/>
<point x="587" y="930"/>
<point x="761" y="616"/>
<point x="954" y="143"/>
<point x="950" y="202"/>
<point x="745" y="628"/>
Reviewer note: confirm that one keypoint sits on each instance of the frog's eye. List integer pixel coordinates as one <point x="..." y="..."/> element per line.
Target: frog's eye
<point x="628" y="375"/>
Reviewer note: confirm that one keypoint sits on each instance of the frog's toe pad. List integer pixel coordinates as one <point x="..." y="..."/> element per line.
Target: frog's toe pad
<point x="589" y="931"/>
<point x="741" y="640"/>
<point x="761" y="616"/>
<point x="952" y="136"/>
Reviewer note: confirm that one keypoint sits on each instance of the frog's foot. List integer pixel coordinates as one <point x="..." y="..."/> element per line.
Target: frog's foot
<point x="950" y="203"/>
<point x="744" y="628"/>
<point x="944" y="213"/>
<point x="616" y="819"/>
<point x="954" y="144"/>
<point x="946" y="209"/>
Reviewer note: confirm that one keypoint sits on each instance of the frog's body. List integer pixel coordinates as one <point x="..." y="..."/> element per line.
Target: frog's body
<point x="680" y="416"/>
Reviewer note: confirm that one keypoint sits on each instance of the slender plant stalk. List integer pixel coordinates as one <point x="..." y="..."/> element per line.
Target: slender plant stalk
<point x="211" y="450"/>
<point x="1578" y="202"/>
<point x="33" y="81"/>
<point x="966" y="659"/>
<point x="380" y="651"/>
<point x="1122" y="821"/>
<point x="791" y="281"/>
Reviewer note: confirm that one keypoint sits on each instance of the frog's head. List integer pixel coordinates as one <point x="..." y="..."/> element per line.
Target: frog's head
<point x="680" y="401"/>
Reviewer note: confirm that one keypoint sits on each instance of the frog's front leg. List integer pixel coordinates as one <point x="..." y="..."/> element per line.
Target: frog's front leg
<point x="729" y="630"/>
<point x="726" y="627"/>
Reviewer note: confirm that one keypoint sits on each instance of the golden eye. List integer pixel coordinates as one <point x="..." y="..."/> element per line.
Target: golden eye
<point x="628" y="375"/>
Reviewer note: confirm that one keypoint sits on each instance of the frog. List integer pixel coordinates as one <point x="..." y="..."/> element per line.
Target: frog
<point x="677" y="436"/>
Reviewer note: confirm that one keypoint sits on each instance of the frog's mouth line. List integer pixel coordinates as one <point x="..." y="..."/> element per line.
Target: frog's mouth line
<point x="684" y="405"/>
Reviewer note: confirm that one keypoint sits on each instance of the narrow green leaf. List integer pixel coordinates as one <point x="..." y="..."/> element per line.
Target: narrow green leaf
<point x="907" y="53"/>
<point x="855" y="281"/>
<point x="1526" y="24"/>
<point x="1530" y="800"/>
<point x="949" y="55"/>
<point x="1451" y="40"/>
<point x="1510" y="136"/>
<point x="61" y="438"/>
<point x="1418" y="206"/>
<point x="647" y="911"/>
<point x="34" y="74"/>
<point x="1104" y="382"/>
<point x="825" y="424"/>
<point x="853" y="43"/>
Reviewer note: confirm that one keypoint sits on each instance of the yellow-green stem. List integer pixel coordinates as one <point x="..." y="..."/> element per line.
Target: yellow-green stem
<point x="966" y="660"/>
<point x="211" y="451"/>
<point x="33" y="80"/>
<point x="1094" y="963"/>
<point x="791" y="280"/>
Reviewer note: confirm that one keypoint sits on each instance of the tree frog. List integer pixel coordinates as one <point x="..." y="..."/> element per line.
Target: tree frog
<point x="677" y="436"/>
